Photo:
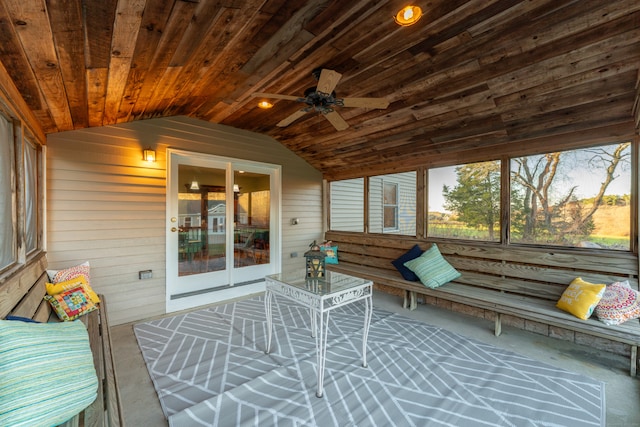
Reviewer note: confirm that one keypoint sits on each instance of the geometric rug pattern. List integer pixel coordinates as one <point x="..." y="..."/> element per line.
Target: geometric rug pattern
<point x="209" y="369"/>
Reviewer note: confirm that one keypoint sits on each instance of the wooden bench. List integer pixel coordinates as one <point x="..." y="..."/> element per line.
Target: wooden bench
<point x="22" y="295"/>
<point x="496" y="282"/>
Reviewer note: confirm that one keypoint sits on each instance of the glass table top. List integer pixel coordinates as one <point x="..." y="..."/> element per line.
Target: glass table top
<point x="333" y="282"/>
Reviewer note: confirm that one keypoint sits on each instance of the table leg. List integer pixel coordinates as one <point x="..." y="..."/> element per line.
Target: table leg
<point x="268" y="296"/>
<point x="312" y="316"/>
<point x="368" y="311"/>
<point x="321" y="347"/>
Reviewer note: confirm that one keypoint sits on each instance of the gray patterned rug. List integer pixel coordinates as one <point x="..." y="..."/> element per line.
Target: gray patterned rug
<point x="209" y="369"/>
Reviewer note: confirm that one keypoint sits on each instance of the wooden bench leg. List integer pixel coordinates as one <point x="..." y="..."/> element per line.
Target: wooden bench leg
<point x="498" y="326"/>
<point x="634" y="360"/>
<point x="410" y="300"/>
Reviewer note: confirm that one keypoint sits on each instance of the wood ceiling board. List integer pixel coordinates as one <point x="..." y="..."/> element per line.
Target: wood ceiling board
<point x="469" y="77"/>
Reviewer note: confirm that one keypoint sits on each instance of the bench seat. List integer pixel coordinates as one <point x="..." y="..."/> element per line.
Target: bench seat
<point x="500" y="302"/>
<point x="23" y="295"/>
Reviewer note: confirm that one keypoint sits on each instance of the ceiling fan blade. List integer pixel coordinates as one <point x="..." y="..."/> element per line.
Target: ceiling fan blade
<point x="328" y="81"/>
<point x="275" y="96"/>
<point x="380" y="103"/>
<point x="292" y="118"/>
<point x="336" y="120"/>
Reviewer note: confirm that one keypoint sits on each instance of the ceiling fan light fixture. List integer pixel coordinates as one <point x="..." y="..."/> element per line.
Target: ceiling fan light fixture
<point x="408" y="15"/>
<point x="265" y="105"/>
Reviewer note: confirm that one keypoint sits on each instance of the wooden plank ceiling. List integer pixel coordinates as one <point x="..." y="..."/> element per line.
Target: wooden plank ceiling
<point x="469" y="76"/>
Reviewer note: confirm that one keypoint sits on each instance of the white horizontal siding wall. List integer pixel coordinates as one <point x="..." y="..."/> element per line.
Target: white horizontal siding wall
<point x="106" y="205"/>
<point x="347" y="205"/>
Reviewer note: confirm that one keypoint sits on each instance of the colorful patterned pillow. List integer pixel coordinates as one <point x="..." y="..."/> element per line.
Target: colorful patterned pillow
<point x="432" y="269"/>
<point x="581" y="298"/>
<point x="618" y="304"/>
<point x="46" y="372"/>
<point x="56" y="276"/>
<point x="398" y="263"/>
<point x="71" y="304"/>
<point x="332" y="254"/>
<point x="79" y="281"/>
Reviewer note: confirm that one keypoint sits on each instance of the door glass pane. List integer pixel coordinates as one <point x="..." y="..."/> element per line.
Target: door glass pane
<point x="201" y="220"/>
<point x="252" y="215"/>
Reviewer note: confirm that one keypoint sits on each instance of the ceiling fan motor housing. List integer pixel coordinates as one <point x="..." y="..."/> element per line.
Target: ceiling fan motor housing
<point x="321" y="102"/>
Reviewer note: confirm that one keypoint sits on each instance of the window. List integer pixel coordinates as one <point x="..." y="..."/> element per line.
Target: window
<point x="31" y="196"/>
<point x="578" y="198"/>
<point x="21" y="220"/>
<point x="464" y="201"/>
<point x="392" y="203"/>
<point x="8" y="243"/>
<point x="390" y="206"/>
<point x="347" y="205"/>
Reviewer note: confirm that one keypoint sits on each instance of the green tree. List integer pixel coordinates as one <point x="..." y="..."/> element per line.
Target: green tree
<point x="476" y="196"/>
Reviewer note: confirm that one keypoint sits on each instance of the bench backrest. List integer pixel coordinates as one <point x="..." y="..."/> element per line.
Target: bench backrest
<point x="22" y="294"/>
<point x="534" y="272"/>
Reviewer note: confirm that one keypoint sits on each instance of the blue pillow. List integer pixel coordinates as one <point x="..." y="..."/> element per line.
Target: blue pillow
<point x="21" y="319"/>
<point x="432" y="269"/>
<point x="398" y="263"/>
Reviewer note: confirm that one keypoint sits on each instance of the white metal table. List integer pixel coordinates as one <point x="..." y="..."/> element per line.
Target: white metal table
<point x="320" y="296"/>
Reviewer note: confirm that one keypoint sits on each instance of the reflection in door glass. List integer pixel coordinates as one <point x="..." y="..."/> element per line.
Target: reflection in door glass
<point x="251" y="203"/>
<point x="201" y="220"/>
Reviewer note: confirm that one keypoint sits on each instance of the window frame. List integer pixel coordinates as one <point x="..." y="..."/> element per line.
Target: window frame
<point x="21" y="140"/>
<point x="422" y="193"/>
<point x="396" y="207"/>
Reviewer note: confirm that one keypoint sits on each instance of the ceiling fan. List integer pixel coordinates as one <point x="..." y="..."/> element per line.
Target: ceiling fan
<point x="322" y="99"/>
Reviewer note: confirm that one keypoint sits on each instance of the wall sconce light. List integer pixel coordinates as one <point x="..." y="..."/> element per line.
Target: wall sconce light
<point x="236" y="188"/>
<point x="194" y="185"/>
<point x="149" y="155"/>
<point x="408" y="15"/>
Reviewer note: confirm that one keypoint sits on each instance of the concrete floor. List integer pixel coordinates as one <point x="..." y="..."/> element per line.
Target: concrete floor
<point x="142" y="408"/>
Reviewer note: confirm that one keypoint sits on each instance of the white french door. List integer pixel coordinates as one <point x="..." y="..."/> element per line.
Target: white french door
<point x="223" y="233"/>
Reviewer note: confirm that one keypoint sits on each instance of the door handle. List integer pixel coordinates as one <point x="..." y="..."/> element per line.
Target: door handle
<point x="173" y="229"/>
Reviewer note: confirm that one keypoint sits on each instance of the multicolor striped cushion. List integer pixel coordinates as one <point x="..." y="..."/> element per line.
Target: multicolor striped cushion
<point x="432" y="269"/>
<point x="46" y="372"/>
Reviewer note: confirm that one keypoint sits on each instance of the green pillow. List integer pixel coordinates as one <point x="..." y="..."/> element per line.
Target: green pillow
<point x="432" y="269"/>
<point x="46" y="372"/>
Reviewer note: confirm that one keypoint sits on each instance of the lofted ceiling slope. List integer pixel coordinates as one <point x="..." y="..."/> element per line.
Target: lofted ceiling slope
<point x="470" y="76"/>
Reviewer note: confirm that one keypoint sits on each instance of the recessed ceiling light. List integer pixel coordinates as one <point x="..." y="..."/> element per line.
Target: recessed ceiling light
<point x="265" y="104"/>
<point x="408" y="15"/>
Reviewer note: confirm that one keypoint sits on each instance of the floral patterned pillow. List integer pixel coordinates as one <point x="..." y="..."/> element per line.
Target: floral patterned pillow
<point x="618" y="304"/>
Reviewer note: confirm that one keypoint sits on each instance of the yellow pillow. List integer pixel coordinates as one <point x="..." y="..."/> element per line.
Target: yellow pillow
<point x="56" y="288"/>
<point x="581" y="298"/>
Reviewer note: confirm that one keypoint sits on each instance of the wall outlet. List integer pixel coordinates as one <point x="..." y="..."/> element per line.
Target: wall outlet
<point x="145" y="274"/>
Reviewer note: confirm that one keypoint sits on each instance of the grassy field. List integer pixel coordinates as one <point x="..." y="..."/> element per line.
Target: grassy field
<point x="612" y="225"/>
